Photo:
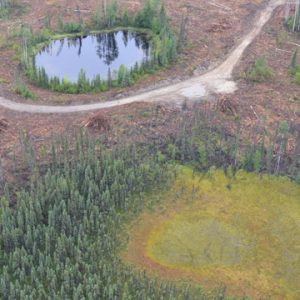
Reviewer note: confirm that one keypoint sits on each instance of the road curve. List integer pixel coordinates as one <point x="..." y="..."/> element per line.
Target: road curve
<point x="217" y="80"/>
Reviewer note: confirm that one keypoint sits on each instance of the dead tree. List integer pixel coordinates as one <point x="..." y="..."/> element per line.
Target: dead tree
<point x="297" y="11"/>
<point x="287" y="10"/>
<point x="2" y="177"/>
<point x="104" y="8"/>
<point x="182" y="33"/>
<point x="296" y="19"/>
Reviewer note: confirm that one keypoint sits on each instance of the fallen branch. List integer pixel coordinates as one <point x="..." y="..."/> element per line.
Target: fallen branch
<point x="292" y="43"/>
<point x="256" y="115"/>
<point x="79" y="10"/>
<point x="282" y="50"/>
<point x="219" y="5"/>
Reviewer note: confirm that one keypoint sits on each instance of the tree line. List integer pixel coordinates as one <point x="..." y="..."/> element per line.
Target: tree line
<point x="122" y="78"/>
<point x="61" y="234"/>
<point x="5" y="3"/>
<point x="5" y="6"/>
<point x="61" y="240"/>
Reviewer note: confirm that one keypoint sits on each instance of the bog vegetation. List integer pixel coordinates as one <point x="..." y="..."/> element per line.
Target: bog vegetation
<point x="223" y="229"/>
<point x="61" y="234"/>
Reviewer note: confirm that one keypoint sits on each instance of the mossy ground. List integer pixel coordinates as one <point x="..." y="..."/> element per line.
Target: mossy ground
<point x="213" y="230"/>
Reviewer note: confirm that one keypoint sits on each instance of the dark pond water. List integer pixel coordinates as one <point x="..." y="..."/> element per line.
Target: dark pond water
<point x="95" y="54"/>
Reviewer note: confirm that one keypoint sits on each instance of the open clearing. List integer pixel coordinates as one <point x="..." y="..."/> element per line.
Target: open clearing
<point x="215" y="81"/>
<point x="213" y="31"/>
<point x="243" y="233"/>
<point x="265" y="103"/>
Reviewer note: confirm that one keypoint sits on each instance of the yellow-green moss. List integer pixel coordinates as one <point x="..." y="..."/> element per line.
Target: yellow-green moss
<point x="243" y="233"/>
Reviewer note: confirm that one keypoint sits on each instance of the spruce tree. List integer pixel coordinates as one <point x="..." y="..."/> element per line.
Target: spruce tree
<point x="293" y="63"/>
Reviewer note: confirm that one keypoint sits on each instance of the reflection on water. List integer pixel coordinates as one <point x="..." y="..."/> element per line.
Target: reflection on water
<point x="95" y="54"/>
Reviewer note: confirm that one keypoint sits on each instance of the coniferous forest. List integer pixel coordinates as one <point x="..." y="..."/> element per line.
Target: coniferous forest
<point x="61" y="235"/>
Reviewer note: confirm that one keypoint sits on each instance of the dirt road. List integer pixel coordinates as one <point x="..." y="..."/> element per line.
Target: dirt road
<point x="217" y="80"/>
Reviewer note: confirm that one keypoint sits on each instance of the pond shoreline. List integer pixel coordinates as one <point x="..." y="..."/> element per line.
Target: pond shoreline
<point x="95" y="54"/>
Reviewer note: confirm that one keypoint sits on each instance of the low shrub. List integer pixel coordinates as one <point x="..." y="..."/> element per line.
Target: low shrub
<point x="259" y="71"/>
<point x="42" y="37"/>
<point x="71" y="27"/>
<point x="297" y="77"/>
<point x="4" y="12"/>
<point x="295" y="67"/>
<point x="22" y="90"/>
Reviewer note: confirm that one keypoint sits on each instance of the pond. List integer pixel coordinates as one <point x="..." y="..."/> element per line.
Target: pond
<point x="96" y="54"/>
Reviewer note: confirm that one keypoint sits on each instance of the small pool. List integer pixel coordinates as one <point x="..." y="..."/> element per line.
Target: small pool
<point x="96" y="54"/>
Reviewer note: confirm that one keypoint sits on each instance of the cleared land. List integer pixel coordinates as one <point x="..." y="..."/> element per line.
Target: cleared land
<point x="264" y="104"/>
<point x="212" y="33"/>
<point x="215" y="81"/>
<point x="256" y="105"/>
